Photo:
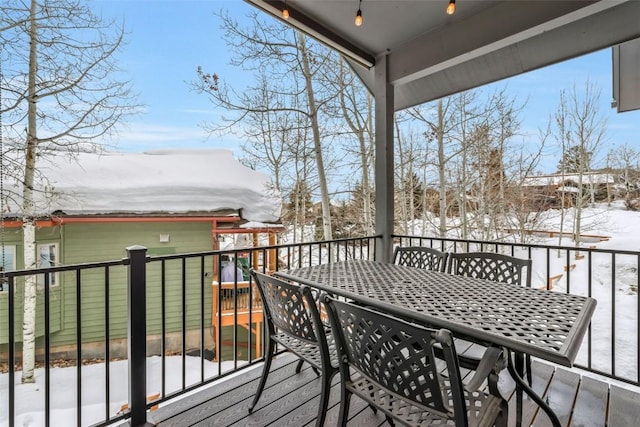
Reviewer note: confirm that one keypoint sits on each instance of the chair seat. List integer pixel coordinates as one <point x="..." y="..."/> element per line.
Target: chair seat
<point x="482" y="407"/>
<point x="309" y="351"/>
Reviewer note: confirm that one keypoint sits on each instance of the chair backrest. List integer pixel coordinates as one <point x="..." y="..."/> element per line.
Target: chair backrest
<point x="491" y="266"/>
<point x="290" y="308"/>
<point x="420" y="257"/>
<point x="398" y="357"/>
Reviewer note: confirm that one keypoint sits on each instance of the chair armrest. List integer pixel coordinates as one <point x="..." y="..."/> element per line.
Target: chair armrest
<point x="466" y="362"/>
<point x="492" y="361"/>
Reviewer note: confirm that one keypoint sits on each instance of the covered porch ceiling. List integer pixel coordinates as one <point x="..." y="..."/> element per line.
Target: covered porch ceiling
<point x="430" y="54"/>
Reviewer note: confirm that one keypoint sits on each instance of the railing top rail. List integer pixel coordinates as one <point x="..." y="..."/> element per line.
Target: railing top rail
<point x="258" y="248"/>
<point x="68" y="267"/>
<point x="524" y="245"/>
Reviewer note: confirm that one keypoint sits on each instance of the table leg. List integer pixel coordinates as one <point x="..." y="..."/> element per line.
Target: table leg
<point x="519" y="365"/>
<point x="513" y="367"/>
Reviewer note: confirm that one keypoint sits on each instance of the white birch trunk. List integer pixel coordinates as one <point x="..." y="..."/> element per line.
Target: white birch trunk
<point x="315" y="128"/>
<point x="29" y="312"/>
<point x="442" y="177"/>
<point x="28" y="228"/>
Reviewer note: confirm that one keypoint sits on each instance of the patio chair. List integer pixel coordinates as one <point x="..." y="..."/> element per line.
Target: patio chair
<point x="293" y="322"/>
<point x="498" y="268"/>
<point x="420" y="257"/>
<point x="390" y="364"/>
<point x="491" y="266"/>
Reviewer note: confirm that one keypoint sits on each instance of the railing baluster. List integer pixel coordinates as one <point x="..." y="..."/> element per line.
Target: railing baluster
<point x="137" y="334"/>
<point x="12" y="354"/>
<point x="107" y="347"/>
<point x="638" y="319"/>
<point x="202" y="317"/>
<point x="163" y="326"/>
<point x="589" y="293"/>
<point x="613" y="314"/>
<point x="78" y="348"/>
<point x="47" y="352"/>
<point x="183" y="312"/>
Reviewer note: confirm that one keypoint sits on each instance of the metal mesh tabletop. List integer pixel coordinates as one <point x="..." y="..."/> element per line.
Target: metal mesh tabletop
<point x="545" y="324"/>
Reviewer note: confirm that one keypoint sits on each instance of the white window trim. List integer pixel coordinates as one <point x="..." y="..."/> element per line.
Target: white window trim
<point x="54" y="279"/>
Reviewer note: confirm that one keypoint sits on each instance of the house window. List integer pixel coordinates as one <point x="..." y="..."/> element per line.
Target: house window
<point x="47" y="257"/>
<point x="7" y="263"/>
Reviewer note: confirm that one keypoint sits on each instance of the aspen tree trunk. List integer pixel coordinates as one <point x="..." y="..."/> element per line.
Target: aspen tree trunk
<point x="362" y="130"/>
<point x="366" y="185"/>
<point x="317" y="144"/>
<point x="28" y="228"/>
<point x="442" y="163"/>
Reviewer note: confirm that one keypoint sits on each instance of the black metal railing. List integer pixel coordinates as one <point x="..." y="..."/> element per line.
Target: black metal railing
<point x="158" y="307"/>
<point x="165" y="309"/>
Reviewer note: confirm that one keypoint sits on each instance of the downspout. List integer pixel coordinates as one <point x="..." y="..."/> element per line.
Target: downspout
<point x="215" y="246"/>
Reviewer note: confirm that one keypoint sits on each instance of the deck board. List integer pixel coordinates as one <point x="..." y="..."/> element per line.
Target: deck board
<point x="560" y="396"/>
<point x="291" y="399"/>
<point x="623" y="407"/>
<point x="591" y="403"/>
<point x="542" y="375"/>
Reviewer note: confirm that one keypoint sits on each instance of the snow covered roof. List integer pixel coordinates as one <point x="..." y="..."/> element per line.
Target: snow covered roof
<point x="558" y="179"/>
<point x="567" y="189"/>
<point x="163" y="181"/>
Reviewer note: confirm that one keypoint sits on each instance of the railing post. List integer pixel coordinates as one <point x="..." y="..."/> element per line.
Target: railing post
<point x="137" y="334"/>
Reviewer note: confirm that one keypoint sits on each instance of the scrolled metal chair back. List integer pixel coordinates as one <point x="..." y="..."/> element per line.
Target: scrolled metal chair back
<point x="398" y="356"/>
<point x="420" y="257"/>
<point x="491" y="266"/>
<point x="288" y="307"/>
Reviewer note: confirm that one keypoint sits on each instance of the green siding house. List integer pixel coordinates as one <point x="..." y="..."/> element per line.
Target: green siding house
<point x="167" y="201"/>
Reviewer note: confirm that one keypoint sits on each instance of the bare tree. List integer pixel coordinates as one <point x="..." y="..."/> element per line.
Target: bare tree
<point x="356" y="107"/>
<point x="294" y="63"/>
<point x="487" y="147"/>
<point x="584" y="129"/>
<point x="523" y="213"/>
<point x="60" y="95"/>
<point x="563" y="137"/>
<point x="441" y="122"/>
<point x="625" y="161"/>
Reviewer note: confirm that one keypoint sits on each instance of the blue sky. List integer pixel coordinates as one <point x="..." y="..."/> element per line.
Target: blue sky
<point x="167" y="41"/>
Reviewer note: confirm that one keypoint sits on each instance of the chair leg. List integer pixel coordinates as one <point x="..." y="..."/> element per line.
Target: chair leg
<point x="519" y="365"/>
<point x="324" y="398"/>
<point x="503" y="418"/>
<point x="529" y="373"/>
<point x="344" y="407"/>
<point x="265" y="373"/>
<point x="299" y="366"/>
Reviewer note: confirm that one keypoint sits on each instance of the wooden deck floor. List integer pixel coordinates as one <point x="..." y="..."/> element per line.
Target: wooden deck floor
<point x="291" y="399"/>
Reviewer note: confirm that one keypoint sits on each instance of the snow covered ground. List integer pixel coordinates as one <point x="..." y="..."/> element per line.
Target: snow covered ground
<point x="622" y="226"/>
<point x="30" y="397"/>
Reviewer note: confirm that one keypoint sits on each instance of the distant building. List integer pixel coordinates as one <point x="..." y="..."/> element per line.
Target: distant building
<point x="547" y="191"/>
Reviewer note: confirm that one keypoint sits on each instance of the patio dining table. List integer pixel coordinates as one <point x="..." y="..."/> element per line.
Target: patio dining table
<point x="545" y="324"/>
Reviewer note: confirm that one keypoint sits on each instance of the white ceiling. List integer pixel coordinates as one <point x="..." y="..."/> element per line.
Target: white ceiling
<point x="432" y="54"/>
